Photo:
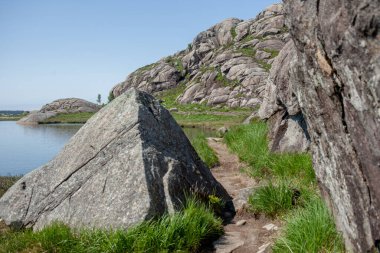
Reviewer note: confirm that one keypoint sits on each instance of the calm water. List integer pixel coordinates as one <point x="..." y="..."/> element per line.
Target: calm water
<point x="24" y="148"/>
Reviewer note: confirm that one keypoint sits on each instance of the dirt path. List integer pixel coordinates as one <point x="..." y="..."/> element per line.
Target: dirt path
<point x="251" y="236"/>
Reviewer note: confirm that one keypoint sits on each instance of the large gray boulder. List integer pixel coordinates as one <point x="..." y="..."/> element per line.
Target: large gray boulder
<point x="338" y="88"/>
<point x="287" y="127"/>
<point x="130" y="162"/>
<point x="59" y="106"/>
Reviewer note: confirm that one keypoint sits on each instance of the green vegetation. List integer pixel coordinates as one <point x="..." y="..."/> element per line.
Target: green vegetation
<point x="310" y="229"/>
<point x="176" y="62"/>
<point x="204" y="151"/>
<point x="209" y="120"/>
<point x="201" y="114"/>
<point x="80" y="117"/>
<point x="111" y="96"/>
<point x="233" y="32"/>
<point x="146" y="68"/>
<point x="264" y="65"/>
<point x="184" y="231"/>
<point x="247" y="51"/>
<point x="277" y="199"/>
<point x="223" y="80"/>
<point x="247" y="38"/>
<point x="289" y="191"/>
<point x="6" y="182"/>
<point x="273" y="53"/>
<point x="10" y="117"/>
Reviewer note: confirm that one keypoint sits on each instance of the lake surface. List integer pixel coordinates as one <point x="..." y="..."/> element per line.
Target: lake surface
<point x="24" y="148"/>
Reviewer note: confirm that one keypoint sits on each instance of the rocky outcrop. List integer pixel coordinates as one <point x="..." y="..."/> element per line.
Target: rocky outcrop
<point x="287" y="127"/>
<point x="337" y="77"/>
<point x="60" y="106"/>
<point x="130" y="162"/>
<point x="225" y="65"/>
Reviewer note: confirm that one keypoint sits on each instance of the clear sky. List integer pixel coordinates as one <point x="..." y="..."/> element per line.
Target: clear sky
<point x="52" y="49"/>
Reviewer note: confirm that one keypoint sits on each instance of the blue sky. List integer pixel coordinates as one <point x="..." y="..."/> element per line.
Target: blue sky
<point x="52" y="49"/>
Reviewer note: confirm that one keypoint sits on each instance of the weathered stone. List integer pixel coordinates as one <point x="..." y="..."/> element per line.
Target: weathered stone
<point x="34" y="117"/>
<point x="130" y="162"/>
<point x="221" y="57"/>
<point x="337" y="84"/>
<point x="287" y="127"/>
<point x="64" y="106"/>
<point x="70" y="105"/>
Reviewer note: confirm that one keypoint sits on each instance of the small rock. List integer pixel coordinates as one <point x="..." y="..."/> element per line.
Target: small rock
<point x="263" y="248"/>
<point x="270" y="227"/>
<point x="228" y="242"/>
<point x="222" y="131"/>
<point x="173" y="109"/>
<point x="241" y="223"/>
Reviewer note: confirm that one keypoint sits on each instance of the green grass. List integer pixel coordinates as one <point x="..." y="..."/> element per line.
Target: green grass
<point x="208" y="120"/>
<point x="251" y="145"/>
<point x="80" y="117"/>
<point x="310" y="229"/>
<point x="247" y="38"/>
<point x="233" y="32"/>
<point x="272" y="52"/>
<point x="277" y="199"/>
<point x="184" y="231"/>
<point x="6" y="182"/>
<point x="223" y="80"/>
<point x="204" y="151"/>
<point x="146" y="68"/>
<point x="191" y="115"/>
<point x="289" y="192"/>
<point x="247" y="51"/>
<point x="176" y="62"/>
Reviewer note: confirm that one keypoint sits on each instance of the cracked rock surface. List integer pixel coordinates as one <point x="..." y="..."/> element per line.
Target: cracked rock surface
<point x="224" y="65"/>
<point x="128" y="163"/>
<point x="59" y="106"/>
<point x="337" y="84"/>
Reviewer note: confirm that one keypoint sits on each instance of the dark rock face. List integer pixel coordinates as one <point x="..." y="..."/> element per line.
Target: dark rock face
<point x="129" y="162"/>
<point x="224" y="65"/>
<point x="337" y="85"/>
<point x="65" y="105"/>
<point x="287" y="127"/>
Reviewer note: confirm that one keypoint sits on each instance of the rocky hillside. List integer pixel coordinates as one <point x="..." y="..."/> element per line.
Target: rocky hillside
<point x="226" y="65"/>
<point x="337" y="77"/>
<point x="317" y="85"/>
<point x="60" y="106"/>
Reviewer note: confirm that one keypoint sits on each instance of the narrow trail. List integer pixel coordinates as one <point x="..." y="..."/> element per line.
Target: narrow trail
<point x="245" y="233"/>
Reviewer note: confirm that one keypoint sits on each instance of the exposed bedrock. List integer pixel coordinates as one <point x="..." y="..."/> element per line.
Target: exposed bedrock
<point x="337" y="76"/>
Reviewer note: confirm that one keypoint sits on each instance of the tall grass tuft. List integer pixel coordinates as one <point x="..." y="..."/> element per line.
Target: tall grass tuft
<point x="310" y="229"/>
<point x="277" y="199"/>
<point x="184" y="231"/>
<point x="251" y="145"/>
<point x="204" y="151"/>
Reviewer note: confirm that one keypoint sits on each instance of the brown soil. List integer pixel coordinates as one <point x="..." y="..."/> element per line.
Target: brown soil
<point x="252" y="235"/>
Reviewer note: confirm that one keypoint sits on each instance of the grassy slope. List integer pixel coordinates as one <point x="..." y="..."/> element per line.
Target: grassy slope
<point x="289" y="192"/>
<point x="204" y="151"/>
<point x="184" y="231"/>
<point x="80" y="117"/>
<point x="200" y="114"/>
